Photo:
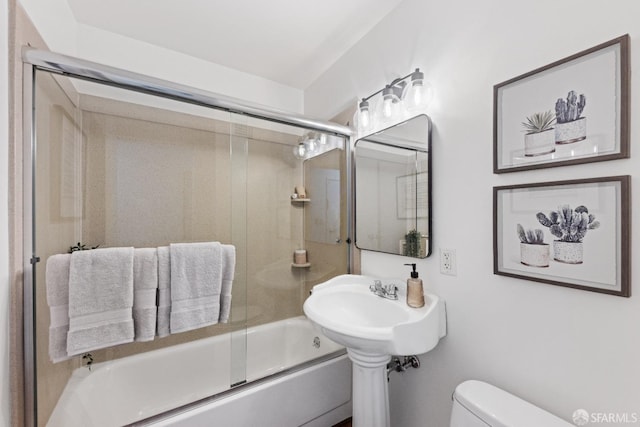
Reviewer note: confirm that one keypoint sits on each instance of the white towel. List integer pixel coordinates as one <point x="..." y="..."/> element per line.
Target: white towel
<point x="228" y="272"/>
<point x="57" y="284"/>
<point x="164" y="291"/>
<point x="196" y="279"/>
<point x="145" y="288"/>
<point x="100" y="299"/>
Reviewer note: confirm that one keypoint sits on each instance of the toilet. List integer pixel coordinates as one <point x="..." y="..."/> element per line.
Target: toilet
<point x="478" y="404"/>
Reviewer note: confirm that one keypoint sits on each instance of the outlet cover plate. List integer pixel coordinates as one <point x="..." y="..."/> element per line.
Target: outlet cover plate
<point x="448" y="263"/>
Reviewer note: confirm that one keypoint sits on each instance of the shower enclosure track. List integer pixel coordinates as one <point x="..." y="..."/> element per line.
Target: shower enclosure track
<point x="87" y="70"/>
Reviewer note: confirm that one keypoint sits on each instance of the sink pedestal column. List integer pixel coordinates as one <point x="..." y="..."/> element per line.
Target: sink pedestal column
<point x="370" y="389"/>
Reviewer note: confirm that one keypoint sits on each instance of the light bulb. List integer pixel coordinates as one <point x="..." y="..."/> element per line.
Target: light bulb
<point x="364" y="119"/>
<point x="300" y="151"/>
<point x="387" y="102"/>
<point x="419" y="94"/>
<point x="390" y="104"/>
<point x="311" y="145"/>
<point x="387" y="105"/>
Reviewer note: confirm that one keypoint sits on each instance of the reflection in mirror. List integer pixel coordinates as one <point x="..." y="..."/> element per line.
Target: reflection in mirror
<point x="322" y="179"/>
<point x="324" y="221"/>
<point x="393" y="189"/>
<point x="325" y="213"/>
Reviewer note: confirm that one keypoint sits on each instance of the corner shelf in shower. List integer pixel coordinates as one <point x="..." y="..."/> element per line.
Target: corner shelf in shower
<point x="305" y="265"/>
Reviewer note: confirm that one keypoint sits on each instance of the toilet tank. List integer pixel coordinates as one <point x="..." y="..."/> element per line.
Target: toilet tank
<point x="478" y="404"/>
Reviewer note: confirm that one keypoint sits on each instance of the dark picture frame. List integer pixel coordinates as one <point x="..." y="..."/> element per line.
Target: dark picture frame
<point x="572" y="111"/>
<point x="574" y="233"/>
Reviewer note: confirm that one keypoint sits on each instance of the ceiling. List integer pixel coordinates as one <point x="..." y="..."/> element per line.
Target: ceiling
<point x="287" y="41"/>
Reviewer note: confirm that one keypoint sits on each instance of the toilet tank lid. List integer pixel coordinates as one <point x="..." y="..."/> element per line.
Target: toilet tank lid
<point x="499" y="408"/>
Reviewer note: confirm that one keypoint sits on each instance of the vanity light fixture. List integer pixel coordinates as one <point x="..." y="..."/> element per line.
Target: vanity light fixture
<point x="401" y="99"/>
<point x="314" y="143"/>
<point x="308" y="145"/>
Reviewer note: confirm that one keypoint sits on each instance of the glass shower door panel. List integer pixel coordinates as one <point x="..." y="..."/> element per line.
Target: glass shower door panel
<point x="273" y="228"/>
<point x="57" y="218"/>
<point x="116" y="168"/>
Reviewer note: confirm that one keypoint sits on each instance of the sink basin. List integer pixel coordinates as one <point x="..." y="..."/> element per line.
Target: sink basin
<point x="373" y="328"/>
<point x="347" y="312"/>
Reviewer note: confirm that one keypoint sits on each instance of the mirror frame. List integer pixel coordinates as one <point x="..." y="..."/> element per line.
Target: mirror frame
<point x="427" y="149"/>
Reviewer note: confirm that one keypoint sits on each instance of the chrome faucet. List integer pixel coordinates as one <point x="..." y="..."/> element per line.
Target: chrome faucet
<point x="389" y="291"/>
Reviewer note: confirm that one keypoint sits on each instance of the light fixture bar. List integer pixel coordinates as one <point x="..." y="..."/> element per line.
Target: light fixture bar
<point x="399" y="100"/>
<point x="392" y="84"/>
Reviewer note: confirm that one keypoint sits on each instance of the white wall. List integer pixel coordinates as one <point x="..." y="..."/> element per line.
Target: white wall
<point x="118" y="51"/>
<point x="559" y="348"/>
<point x="58" y="27"/>
<point x="4" y="220"/>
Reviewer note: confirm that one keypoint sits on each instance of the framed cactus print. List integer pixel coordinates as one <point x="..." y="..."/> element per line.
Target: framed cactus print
<point x="568" y="233"/>
<point x="575" y="110"/>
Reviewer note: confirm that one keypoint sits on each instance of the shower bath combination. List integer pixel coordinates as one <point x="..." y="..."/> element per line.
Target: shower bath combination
<point x="116" y="159"/>
<point x="89" y="398"/>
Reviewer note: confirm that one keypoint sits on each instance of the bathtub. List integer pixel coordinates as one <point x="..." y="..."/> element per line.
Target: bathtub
<point x="139" y="387"/>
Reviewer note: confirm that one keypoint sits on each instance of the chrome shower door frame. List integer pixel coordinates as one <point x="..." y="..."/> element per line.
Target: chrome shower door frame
<point x="37" y="60"/>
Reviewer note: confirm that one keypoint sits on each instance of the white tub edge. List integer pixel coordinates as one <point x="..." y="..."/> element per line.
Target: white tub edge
<point x="317" y="396"/>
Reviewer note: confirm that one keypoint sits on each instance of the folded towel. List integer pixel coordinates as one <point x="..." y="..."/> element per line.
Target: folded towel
<point x="57" y="284"/>
<point x="196" y="279"/>
<point x="100" y="299"/>
<point x="228" y="272"/>
<point x="164" y="290"/>
<point x="145" y="287"/>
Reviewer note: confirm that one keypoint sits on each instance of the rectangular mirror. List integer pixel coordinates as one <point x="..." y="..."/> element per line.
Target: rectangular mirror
<point x="393" y="189"/>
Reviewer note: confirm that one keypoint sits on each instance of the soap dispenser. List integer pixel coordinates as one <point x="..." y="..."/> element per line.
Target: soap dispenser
<point x="415" y="295"/>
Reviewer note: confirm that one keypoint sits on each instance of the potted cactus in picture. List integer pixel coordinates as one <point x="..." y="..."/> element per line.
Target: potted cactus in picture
<point x="570" y="227"/>
<point x="539" y="138"/>
<point x="570" y="126"/>
<point x="533" y="251"/>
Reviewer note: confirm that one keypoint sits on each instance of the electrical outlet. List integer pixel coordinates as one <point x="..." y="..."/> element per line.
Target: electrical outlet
<point x="448" y="261"/>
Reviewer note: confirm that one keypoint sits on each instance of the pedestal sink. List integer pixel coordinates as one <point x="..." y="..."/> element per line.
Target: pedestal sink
<point x="373" y="328"/>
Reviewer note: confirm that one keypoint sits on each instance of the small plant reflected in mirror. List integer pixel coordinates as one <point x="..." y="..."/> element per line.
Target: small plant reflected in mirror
<point x="81" y="247"/>
<point x="412" y="243"/>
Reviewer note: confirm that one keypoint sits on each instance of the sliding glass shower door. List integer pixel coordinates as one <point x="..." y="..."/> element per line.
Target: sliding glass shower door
<point x="117" y="168"/>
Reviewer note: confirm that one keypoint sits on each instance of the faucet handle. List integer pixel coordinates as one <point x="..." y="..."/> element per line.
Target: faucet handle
<point x="391" y="290"/>
<point x="377" y="288"/>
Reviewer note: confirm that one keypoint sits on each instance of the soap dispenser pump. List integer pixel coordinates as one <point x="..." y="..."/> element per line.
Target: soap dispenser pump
<point x="415" y="294"/>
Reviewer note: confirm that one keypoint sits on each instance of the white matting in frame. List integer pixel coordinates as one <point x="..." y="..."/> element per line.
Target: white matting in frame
<point x="587" y="97"/>
<point x="603" y="265"/>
